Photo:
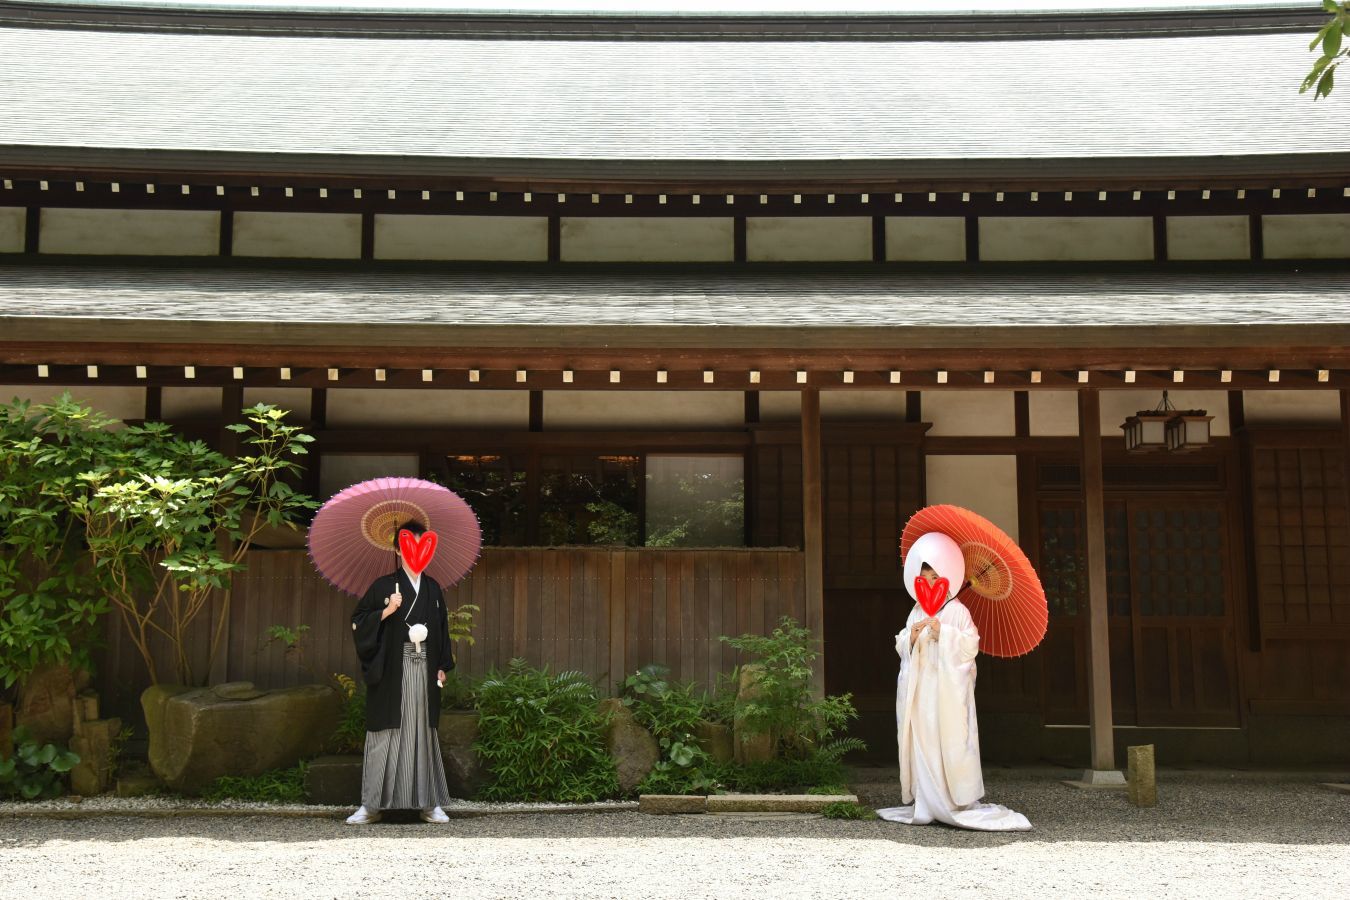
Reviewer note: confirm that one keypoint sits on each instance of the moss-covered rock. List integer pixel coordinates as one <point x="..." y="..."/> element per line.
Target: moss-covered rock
<point x="457" y="731"/>
<point x="633" y="748"/>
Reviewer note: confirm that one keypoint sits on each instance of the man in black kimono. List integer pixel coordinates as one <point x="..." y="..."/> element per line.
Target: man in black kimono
<point x="403" y="767"/>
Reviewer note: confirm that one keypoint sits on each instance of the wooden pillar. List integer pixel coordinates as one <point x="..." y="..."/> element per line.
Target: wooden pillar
<point x="813" y="538"/>
<point x="231" y="412"/>
<point x="1103" y="756"/>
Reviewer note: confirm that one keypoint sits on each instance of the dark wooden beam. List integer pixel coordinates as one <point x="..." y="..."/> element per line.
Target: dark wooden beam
<point x="878" y="239"/>
<point x="154" y="403"/>
<point x="1103" y="757"/>
<point x="813" y="540"/>
<point x="32" y="229"/>
<point x="536" y="410"/>
<point x="1022" y="414"/>
<point x="972" y="238"/>
<point x="738" y="239"/>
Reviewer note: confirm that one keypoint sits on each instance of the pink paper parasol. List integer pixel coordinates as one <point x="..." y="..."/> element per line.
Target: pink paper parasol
<point x="352" y="538"/>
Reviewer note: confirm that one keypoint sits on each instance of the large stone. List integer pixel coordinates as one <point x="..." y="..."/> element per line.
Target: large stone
<point x="1141" y="777"/>
<point x="334" y="780"/>
<point x="634" y="749"/>
<point x="197" y="736"/>
<point x="47" y="704"/>
<point x="716" y="740"/>
<point x="457" y="730"/>
<point x="93" y="742"/>
<point x="237" y="690"/>
<point x="750" y="746"/>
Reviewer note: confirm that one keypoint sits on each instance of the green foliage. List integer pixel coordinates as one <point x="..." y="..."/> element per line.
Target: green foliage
<point x="612" y="524"/>
<point x="167" y="522"/>
<point x="350" y="734"/>
<point x="276" y="786"/>
<point x="541" y="737"/>
<point x="457" y="693"/>
<point x="461" y="623"/>
<point x="704" y="510"/>
<point x="826" y="790"/>
<point x="50" y="597"/>
<point x="847" y="809"/>
<point x="796" y="774"/>
<point x="290" y="637"/>
<point x="784" y="705"/>
<point x="116" y="748"/>
<point x="672" y="713"/>
<point x="1330" y="44"/>
<point x="34" y="771"/>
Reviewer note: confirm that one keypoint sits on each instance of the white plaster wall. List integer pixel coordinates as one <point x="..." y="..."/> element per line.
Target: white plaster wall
<point x="647" y="239"/>
<point x="1291" y="407"/>
<point x="872" y="406"/>
<point x="370" y="407"/>
<point x="984" y="484"/>
<point x="293" y="400"/>
<point x="1065" y="238"/>
<point x="1311" y="236"/>
<point x="814" y="238"/>
<point x="969" y="413"/>
<point x="514" y="238"/>
<point x="342" y="470"/>
<point x="12" y="223"/>
<point x="134" y="232"/>
<point x="298" y="235"/>
<point x="1052" y="413"/>
<point x="643" y="409"/>
<point x="925" y="238"/>
<point x="188" y="403"/>
<point x="1208" y="237"/>
<point x="780" y="406"/>
<point x="117" y="402"/>
<point x="1117" y="405"/>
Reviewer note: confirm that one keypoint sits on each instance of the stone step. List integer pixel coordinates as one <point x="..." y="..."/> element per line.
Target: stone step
<point x="671" y="804"/>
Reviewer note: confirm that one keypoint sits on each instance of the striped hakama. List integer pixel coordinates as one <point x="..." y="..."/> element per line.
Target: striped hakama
<point x="403" y="767"/>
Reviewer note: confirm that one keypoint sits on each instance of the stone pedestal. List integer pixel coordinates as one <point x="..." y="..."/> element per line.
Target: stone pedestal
<point x="93" y="742"/>
<point x="47" y="703"/>
<point x="334" y="780"/>
<point x="1143" y="785"/>
<point x="750" y="747"/>
<point x="1100" y="779"/>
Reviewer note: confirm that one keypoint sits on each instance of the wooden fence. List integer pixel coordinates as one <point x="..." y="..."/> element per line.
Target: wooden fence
<point x="604" y="612"/>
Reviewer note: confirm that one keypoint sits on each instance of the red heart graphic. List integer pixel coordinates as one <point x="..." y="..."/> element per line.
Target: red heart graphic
<point x="417" y="552"/>
<point x="931" y="596"/>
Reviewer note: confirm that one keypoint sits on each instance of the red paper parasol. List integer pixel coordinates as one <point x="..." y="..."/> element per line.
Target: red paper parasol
<point x="352" y="538"/>
<point x="1003" y="592"/>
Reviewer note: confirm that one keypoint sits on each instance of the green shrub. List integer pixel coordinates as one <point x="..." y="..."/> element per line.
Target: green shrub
<point x="350" y="734"/>
<point x="847" y="809"/>
<point x="457" y="693"/>
<point x="35" y="771"/>
<point x="672" y="712"/>
<point x="276" y="786"/>
<point x="786" y="707"/>
<point x="541" y="737"/>
<point x="826" y="790"/>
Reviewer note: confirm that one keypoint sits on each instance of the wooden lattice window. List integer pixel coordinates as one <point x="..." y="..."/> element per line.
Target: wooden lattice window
<point x="1178" y="559"/>
<point x="1301" y="514"/>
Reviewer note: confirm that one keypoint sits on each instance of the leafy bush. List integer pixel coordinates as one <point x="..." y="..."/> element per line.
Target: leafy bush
<point x="790" y="774"/>
<point x="672" y="712"/>
<point x="50" y="597"/>
<point x="457" y="693"/>
<point x="276" y="786"/>
<point x="784" y="705"/>
<point x="847" y="809"/>
<point x="350" y="734"/>
<point x="35" y="771"/>
<point x="826" y="790"/>
<point x="541" y="737"/>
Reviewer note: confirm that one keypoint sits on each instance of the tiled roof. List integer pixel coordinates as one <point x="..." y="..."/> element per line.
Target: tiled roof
<point x="897" y="108"/>
<point x="722" y="307"/>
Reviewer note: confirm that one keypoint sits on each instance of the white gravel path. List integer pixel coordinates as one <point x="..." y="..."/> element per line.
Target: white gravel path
<point x="1210" y="837"/>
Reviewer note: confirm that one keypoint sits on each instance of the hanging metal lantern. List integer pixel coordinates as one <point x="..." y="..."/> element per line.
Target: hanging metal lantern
<point x="1146" y="431"/>
<point x="1188" y="430"/>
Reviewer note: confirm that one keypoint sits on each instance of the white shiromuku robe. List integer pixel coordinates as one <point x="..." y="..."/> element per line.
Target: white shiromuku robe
<point x="936" y="730"/>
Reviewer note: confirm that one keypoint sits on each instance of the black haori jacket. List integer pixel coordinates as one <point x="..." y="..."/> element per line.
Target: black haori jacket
<point x="379" y="645"/>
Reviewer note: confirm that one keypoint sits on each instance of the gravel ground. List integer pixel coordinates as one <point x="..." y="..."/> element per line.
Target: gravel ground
<point x="1212" y="835"/>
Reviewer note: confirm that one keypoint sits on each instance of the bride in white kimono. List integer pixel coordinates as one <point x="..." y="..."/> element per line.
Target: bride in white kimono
<point x="937" y="734"/>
